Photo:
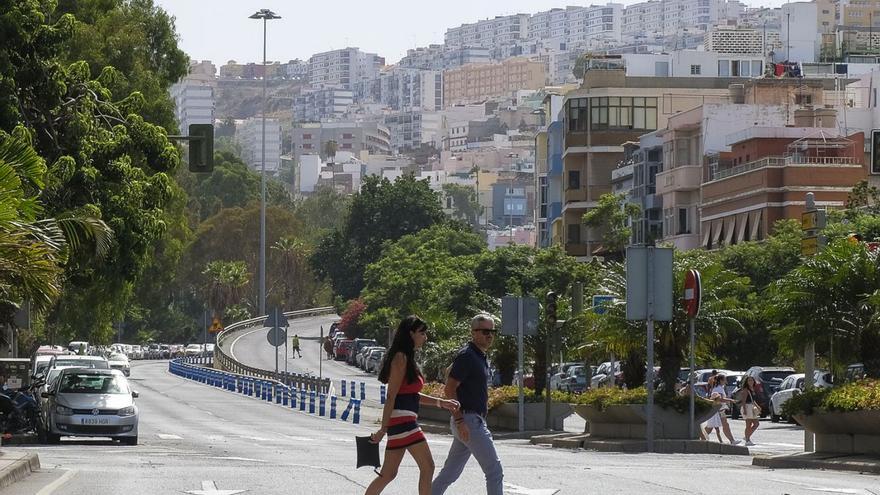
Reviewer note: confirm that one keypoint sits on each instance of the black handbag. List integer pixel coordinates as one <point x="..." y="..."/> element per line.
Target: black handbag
<point x="367" y="453"/>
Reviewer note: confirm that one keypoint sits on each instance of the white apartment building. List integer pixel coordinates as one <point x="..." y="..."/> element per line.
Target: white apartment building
<point x="316" y="105"/>
<point x="403" y="89"/>
<point x="343" y="68"/>
<point x="672" y="17"/>
<point x="731" y="39"/>
<point x="194" y="100"/>
<point x="489" y="33"/>
<point x="594" y="26"/>
<point x="249" y="136"/>
<point x="799" y="44"/>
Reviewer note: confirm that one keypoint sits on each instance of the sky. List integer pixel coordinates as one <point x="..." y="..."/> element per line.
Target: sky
<point x="219" y="30"/>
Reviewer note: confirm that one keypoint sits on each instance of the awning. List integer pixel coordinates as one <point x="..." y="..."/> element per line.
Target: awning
<point x="707" y="232"/>
<point x="755" y="222"/>
<point x="742" y="221"/>
<point x="717" y="226"/>
<point x="729" y="227"/>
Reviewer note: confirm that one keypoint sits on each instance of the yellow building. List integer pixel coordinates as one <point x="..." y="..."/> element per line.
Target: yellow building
<point x="479" y="82"/>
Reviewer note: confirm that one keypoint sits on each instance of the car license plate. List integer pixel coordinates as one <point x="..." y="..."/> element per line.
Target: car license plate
<point x="95" y="421"/>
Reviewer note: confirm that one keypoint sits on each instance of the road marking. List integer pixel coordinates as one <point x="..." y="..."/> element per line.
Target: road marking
<point x="529" y="491"/>
<point x="230" y="458"/>
<point x="232" y="347"/>
<point x="854" y="491"/>
<point x="163" y="436"/>
<point x="51" y="487"/>
<point x="210" y="488"/>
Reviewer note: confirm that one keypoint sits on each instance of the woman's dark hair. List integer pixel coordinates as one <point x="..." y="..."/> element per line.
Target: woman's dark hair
<point x="403" y="342"/>
<point x="745" y="383"/>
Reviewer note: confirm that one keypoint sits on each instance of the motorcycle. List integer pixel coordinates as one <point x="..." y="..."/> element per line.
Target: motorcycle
<point x="20" y="411"/>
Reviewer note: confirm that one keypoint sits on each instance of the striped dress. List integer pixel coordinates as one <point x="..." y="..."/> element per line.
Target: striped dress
<point x="403" y="428"/>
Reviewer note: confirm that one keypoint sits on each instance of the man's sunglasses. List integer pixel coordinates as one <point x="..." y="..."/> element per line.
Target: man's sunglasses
<point x="486" y="331"/>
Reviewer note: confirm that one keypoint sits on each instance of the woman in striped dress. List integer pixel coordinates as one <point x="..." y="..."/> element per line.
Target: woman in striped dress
<point x="401" y="412"/>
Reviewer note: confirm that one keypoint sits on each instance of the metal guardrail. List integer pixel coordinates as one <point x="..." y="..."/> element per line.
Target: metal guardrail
<point x="299" y="381"/>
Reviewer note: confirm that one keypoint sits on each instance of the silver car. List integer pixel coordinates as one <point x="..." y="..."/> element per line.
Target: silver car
<point x="91" y="403"/>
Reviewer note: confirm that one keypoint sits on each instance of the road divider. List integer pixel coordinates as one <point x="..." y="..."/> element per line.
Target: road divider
<point x="197" y="370"/>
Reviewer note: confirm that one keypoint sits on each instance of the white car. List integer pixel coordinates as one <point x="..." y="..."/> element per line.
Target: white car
<point x="374" y="360"/>
<point x="119" y="361"/>
<point x="558" y="379"/>
<point x="791" y="386"/>
<point x="194" y="350"/>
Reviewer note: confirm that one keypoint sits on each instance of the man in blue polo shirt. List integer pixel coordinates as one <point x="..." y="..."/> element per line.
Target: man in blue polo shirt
<point x="468" y="383"/>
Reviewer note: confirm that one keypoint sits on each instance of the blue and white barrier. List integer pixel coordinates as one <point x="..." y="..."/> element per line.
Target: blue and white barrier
<point x="343" y="387"/>
<point x="363" y="391"/>
<point x="272" y="391"/>
<point x="382" y="393"/>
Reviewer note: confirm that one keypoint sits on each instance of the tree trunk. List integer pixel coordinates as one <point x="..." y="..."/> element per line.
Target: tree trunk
<point x="633" y="368"/>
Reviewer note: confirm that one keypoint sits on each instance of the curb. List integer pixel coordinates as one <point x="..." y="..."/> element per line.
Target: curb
<point x="812" y="460"/>
<point x="19" y="469"/>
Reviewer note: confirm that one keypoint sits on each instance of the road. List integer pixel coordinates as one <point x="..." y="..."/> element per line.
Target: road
<point x="193" y="437"/>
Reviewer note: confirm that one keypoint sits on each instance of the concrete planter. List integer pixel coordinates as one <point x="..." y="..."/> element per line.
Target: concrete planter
<point x="629" y="421"/>
<point x="855" y="432"/>
<point x="504" y="417"/>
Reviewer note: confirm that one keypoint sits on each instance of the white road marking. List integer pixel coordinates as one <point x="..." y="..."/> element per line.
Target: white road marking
<point x="519" y="490"/>
<point x="210" y="488"/>
<point x="854" y="491"/>
<point x="51" y="487"/>
<point x="164" y="436"/>
<point x="230" y="458"/>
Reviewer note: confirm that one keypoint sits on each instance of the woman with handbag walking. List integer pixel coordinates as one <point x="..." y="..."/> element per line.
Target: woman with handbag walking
<point x="751" y="412"/>
<point x="401" y="412"/>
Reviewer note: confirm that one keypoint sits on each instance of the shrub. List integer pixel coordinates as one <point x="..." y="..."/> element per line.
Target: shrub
<point x="502" y="395"/>
<point x="600" y="398"/>
<point x="856" y="396"/>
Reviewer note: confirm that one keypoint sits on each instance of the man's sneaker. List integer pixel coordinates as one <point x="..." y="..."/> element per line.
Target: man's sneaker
<point x="749" y="443"/>
<point x="736" y="442"/>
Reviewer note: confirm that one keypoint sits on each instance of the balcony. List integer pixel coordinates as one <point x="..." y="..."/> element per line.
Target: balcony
<point x="685" y="178"/>
<point x="780" y="161"/>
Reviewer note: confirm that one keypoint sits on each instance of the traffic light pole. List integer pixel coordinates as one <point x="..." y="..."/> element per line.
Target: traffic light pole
<point x="551" y="328"/>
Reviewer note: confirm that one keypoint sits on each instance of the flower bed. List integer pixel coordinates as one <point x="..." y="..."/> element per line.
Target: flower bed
<point x="856" y="396"/>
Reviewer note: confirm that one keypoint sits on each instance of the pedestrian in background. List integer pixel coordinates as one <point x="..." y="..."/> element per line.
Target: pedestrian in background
<point x="294" y="345"/>
<point x="720" y="394"/>
<point x="751" y="412"/>
<point x="467" y="382"/>
<point x="401" y="411"/>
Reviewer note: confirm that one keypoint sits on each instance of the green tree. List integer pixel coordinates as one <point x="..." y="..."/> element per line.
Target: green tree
<point x="226" y="285"/>
<point x="321" y="212"/>
<point x="330" y="148"/>
<point x="613" y="215"/>
<point x="382" y="211"/>
<point x="465" y="203"/>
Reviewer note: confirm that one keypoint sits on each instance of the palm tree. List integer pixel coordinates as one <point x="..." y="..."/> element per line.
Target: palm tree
<point x="294" y="259"/>
<point x="33" y="251"/>
<point x="226" y="282"/>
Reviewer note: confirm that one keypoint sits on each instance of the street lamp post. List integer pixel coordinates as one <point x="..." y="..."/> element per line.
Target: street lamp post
<point x="265" y="15"/>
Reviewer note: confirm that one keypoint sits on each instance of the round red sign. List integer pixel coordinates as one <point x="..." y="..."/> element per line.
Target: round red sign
<point x="692" y="293"/>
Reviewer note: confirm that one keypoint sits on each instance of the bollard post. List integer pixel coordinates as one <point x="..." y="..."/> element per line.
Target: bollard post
<point x="293" y="398"/>
<point x="238" y="384"/>
<point x="332" y="407"/>
<point x="352" y="390"/>
<point x="302" y="399"/>
<point x="356" y="419"/>
<point x="346" y="412"/>
<point x="311" y="402"/>
<point x="343" y="387"/>
<point x="269" y="386"/>
<point x="322" y="403"/>
<point x="363" y="391"/>
<point x="382" y="393"/>
<point x="285" y="392"/>
<point x="277" y="394"/>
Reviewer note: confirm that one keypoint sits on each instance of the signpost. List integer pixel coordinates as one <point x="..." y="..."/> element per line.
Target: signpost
<point x="519" y="316"/>
<point x="812" y="221"/>
<point x="692" y="294"/>
<point x="276" y="335"/>
<point x="649" y="297"/>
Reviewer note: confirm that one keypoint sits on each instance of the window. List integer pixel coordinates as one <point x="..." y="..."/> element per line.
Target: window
<point x="683" y="227"/>
<point x="803" y="99"/>
<point x="695" y="70"/>
<point x="307" y="136"/>
<point x="574" y="179"/>
<point x="574" y="233"/>
<point x="724" y="68"/>
<point x="577" y="114"/>
<point x="757" y="68"/>
<point x="661" y="69"/>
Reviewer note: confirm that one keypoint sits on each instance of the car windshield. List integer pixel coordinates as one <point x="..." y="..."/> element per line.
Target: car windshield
<point x="83" y="363"/>
<point x="774" y="376"/>
<point x="118" y="357"/>
<point x="81" y="383"/>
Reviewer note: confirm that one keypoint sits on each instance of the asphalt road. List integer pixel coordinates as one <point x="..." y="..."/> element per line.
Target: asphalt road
<point x="194" y="438"/>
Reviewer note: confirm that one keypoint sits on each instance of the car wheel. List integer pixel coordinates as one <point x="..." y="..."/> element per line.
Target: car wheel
<point x="774" y="418"/>
<point x="129" y="440"/>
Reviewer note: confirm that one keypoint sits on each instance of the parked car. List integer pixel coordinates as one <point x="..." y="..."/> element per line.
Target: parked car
<point x="357" y="345"/>
<point x="791" y="386"/>
<point x="767" y="382"/>
<point x="119" y="361"/>
<point x="576" y="380"/>
<point x="137" y="352"/>
<point x="733" y="381"/>
<point x="194" y="350"/>
<point x="562" y="374"/>
<point x="209" y="350"/>
<point x="78" y="347"/>
<point x="855" y="371"/>
<point x="601" y="377"/>
<point x="73" y="360"/>
<point x="360" y="357"/>
<point x="374" y="360"/>
<point x="91" y="403"/>
<point x="342" y="349"/>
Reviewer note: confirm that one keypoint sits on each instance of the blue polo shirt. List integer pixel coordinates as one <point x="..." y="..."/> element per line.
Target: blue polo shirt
<point x="471" y="369"/>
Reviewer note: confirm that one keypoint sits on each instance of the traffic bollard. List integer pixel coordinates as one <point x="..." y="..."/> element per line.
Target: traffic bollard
<point x="302" y="399"/>
<point x="343" y="387"/>
<point x="285" y="392"/>
<point x="277" y="394"/>
<point x="363" y="391"/>
<point x="345" y="413"/>
<point x="269" y="390"/>
<point x="238" y="385"/>
<point x="293" y="398"/>
<point x="352" y="390"/>
<point x="332" y="407"/>
<point x="382" y="393"/>
<point x="356" y="419"/>
<point x="311" y="402"/>
<point x="322" y="403"/>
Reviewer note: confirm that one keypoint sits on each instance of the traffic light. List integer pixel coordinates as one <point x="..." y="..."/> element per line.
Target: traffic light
<point x="551" y="310"/>
<point x="201" y="148"/>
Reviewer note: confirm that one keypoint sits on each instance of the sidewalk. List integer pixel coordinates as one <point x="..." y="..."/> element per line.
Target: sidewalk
<point x="16" y="465"/>
<point x="812" y="460"/>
